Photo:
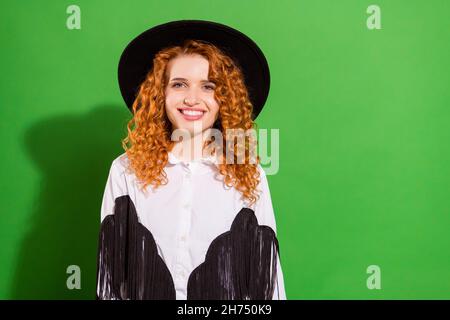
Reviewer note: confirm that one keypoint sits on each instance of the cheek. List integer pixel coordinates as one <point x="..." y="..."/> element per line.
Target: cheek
<point x="213" y="105"/>
<point x="171" y="108"/>
<point x="172" y="101"/>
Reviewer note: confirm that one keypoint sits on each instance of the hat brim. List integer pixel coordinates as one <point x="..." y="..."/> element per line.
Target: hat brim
<point x="137" y="58"/>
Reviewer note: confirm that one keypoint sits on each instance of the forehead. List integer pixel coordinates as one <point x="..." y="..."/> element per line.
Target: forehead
<point x="193" y="66"/>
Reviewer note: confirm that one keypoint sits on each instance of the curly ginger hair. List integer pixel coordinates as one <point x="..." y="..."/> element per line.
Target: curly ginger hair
<point x="149" y="131"/>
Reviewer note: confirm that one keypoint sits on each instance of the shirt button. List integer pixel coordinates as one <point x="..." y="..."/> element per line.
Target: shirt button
<point x="183" y="238"/>
<point x="186" y="205"/>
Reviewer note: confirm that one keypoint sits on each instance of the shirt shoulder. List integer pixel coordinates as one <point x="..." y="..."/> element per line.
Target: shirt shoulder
<point x="120" y="163"/>
<point x="261" y="170"/>
<point x="121" y="170"/>
<point x="116" y="185"/>
<point x="263" y="206"/>
<point x="263" y="185"/>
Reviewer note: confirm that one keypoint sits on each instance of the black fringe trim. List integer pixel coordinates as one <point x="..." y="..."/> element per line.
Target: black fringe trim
<point x="129" y="267"/>
<point x="240" y="264"/>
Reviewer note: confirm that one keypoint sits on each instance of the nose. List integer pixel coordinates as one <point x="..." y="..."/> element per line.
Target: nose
<point x="190" y="101"/>
<point x="191" y="98"/>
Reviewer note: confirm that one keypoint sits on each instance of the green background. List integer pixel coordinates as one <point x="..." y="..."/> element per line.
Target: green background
<point x="363" y="114"/>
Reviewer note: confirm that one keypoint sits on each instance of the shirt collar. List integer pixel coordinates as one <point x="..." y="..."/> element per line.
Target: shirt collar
<point x="205" y="160"/>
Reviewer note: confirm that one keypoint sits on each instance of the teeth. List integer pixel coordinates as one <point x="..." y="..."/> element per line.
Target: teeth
<point x="192" y="112"/>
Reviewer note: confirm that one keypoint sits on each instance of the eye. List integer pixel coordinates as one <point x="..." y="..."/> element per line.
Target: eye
<point x="177" y="84"/>
<point x="210" y="87"/>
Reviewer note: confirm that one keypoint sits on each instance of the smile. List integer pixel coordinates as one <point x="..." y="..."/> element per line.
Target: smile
<point x="191" y="114"/>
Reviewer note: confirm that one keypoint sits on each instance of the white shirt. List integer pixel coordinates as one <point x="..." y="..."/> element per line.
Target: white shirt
<point x="197" y="208"/>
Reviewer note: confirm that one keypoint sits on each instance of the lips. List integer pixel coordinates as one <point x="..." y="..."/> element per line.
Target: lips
<point x="191" y="114"/>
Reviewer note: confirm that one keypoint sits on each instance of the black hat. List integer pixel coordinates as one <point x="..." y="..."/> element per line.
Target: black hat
<point x="137" y="58"/>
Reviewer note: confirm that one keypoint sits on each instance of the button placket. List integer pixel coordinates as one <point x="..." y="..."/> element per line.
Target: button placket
<point x="186" y="211"/>
<point x="185" y="219"/>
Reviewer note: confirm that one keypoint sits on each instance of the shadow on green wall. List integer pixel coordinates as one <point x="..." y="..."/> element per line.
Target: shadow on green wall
<point x="73" y="154"/>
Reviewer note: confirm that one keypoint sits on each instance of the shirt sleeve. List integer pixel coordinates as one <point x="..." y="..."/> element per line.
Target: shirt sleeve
<point x="107" y="245"/>
<point x="265" y="214"/>
<point x="115" y="187"/>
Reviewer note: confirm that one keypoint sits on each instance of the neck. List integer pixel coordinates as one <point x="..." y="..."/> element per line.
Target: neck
<point x="191" y="148"/>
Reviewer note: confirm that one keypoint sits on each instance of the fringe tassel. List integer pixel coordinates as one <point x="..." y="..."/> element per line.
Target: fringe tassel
<point x="240" y="264"/>
<point x="129" y="267"/>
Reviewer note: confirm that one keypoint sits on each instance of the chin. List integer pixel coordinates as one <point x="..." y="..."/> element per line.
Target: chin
<point x="190" y="125"/>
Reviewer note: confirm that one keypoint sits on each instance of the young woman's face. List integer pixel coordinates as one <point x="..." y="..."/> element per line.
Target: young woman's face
<point x="189" y="94"/>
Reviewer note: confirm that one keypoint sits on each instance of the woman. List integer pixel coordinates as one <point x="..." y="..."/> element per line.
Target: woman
<point x="182" y="217"/>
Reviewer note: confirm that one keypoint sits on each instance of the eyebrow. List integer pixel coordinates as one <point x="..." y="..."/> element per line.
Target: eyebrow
<point x="183" y="79"/>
